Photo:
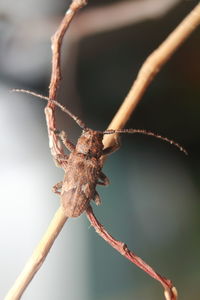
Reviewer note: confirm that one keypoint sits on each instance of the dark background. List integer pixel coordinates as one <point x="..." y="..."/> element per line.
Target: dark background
<point x="152" y="203"/>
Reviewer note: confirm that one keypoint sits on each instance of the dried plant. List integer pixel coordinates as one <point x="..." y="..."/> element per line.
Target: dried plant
<point x="150" y="68"/>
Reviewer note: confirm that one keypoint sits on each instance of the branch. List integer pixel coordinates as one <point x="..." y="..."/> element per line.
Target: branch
<point x="38" y="256"/>
<point x="148" y="71"/>
<point x="170" y="290"/>
<point x="152" y="65"/>
<point x="56" y="74"/>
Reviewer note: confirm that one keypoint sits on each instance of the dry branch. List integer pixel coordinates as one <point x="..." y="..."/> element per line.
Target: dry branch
<point x="170" y="290"/>
<point x="38" y="256"/>
<point x="149" y="69"/>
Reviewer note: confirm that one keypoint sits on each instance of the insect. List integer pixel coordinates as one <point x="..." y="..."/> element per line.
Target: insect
<point x="84" y="164"/>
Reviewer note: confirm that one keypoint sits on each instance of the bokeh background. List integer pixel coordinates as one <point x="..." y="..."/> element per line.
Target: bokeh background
<point x="152" y="203"/>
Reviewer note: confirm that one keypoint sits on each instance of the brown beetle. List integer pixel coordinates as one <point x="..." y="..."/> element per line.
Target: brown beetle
<point x="84" y="164"/>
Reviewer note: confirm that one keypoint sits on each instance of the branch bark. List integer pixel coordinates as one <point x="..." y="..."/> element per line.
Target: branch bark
<point x="146" y="74"/>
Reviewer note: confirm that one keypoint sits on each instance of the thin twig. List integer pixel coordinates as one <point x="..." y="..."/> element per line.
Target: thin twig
<point x="152" y="65"/>
<point x="56" y="74"/>
<point x="123" y="250"/>
<point x="57" y="43"/>
<point x="149" y="69"/>
<point x="38" y="256"/>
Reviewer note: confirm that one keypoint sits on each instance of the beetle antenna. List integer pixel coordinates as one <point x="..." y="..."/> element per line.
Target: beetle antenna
<point x="150" y="133"/>
<point x="63" y="108"/>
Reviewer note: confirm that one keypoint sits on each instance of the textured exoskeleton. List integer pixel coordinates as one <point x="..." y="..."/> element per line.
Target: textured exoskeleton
<point x="83" y="172"/>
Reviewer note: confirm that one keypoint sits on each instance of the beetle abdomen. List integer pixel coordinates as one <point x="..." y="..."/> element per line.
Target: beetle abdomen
<point x="79" y="187"/>
<point x="76" y="200"/>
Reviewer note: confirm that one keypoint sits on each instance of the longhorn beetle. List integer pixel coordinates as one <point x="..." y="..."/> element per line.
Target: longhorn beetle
<point x="84" y="166"/>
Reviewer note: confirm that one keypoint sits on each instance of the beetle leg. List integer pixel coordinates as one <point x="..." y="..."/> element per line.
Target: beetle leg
<point x="57" y="187"/>
<point x="104" y="179"/>
<point x="59" y="158"/>
<point x="67" y="143"/>
<point x="97" y="198"/>
<point x="62" y="157"/>
<point x="112" y="148"/>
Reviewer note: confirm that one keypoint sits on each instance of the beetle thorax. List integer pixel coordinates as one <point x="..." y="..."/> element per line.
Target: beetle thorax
<point x="90" y="143"/>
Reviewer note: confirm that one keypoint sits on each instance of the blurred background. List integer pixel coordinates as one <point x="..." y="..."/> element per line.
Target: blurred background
<point x="152" y="203"/>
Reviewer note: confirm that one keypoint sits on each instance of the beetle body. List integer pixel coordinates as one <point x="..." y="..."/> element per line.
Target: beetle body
<point x="83" y="170"/>
<point x="83" y="173"/>
<point x="79" y="183"/>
